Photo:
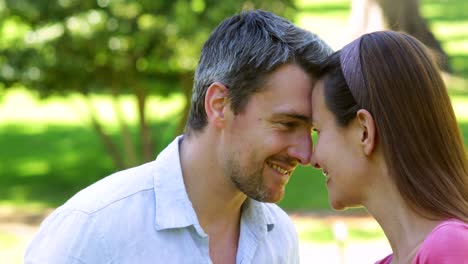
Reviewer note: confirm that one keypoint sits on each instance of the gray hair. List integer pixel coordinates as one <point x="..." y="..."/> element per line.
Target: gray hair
<point x="242" y="51"/>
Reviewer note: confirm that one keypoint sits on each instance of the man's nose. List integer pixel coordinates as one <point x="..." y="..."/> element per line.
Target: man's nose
<point x="301" y="149"/>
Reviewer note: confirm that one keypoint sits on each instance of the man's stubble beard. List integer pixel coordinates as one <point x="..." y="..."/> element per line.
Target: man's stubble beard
<point x="250" y="183"/>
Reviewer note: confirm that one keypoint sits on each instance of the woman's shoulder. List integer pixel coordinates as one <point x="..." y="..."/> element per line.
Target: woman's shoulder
<point x="386" y="260"/>
<point x="448" y="231"/>
<point x="447" y="243"/>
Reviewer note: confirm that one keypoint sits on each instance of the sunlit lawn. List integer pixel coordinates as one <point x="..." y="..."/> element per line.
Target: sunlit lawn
<point x="49" y="150"/>
<point x="12" y="248"/>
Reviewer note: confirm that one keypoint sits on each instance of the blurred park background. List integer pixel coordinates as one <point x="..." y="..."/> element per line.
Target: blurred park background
<point x="90" y="87"/>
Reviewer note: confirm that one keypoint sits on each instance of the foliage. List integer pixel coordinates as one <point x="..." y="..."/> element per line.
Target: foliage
<point x="111" y="46"/>
<point x="108" y="44"/>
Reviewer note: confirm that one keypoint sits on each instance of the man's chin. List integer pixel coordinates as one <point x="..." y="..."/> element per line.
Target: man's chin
<point x="278" y="199"/>
<point x="273" y="197"/>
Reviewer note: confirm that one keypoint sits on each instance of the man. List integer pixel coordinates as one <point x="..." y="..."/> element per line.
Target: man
<point x="206" y="198"/>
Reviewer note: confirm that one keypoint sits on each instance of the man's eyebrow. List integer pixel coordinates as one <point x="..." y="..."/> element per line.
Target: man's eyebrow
<point x="293" y="115"/>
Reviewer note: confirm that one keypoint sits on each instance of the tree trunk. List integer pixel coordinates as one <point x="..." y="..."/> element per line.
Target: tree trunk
<point x="399" y="15"/>
<point x="109" y="145"/>
<point x="365" y="16"/>
<point x="127" y="139"/>
<point x="147" y="141"/>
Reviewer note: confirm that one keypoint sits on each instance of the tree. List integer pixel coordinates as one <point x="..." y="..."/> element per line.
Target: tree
<point x="112" y="46"/>
<point x="399" y="15"/>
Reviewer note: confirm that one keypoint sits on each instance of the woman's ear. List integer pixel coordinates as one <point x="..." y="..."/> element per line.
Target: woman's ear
<point x="367" y="129"/>
<point x="216" y="103"/>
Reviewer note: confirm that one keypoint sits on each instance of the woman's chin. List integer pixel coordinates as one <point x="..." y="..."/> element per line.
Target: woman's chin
<point x="341" y="206"/>
<point x="337" y="205"/>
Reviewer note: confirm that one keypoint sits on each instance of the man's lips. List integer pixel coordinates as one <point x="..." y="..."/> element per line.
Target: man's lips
<point x="281" y="169"/>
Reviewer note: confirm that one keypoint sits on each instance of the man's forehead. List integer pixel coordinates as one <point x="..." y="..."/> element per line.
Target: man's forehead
<point x="317" y="99"/>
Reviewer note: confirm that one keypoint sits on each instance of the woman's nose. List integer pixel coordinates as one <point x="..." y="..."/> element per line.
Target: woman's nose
<point x="313" y="160"/>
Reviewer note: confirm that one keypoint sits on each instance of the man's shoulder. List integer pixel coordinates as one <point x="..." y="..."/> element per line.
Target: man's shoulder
<point x="115" y="188"/>
<point x="97" y="220"/>
<point x="275" y="210"/>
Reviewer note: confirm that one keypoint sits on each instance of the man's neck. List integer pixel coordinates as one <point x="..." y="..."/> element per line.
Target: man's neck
<point x="217" y="202"/>
<point x="215" y="199"/>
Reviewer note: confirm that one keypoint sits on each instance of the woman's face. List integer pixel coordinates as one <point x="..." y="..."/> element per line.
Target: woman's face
<point x="339" y="154"/>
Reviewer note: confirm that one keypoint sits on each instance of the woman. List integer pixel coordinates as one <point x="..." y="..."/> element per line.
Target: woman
<point x="388" y="140"/>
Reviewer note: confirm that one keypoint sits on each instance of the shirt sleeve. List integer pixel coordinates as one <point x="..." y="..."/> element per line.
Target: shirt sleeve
<point x="66" y="237"/>
<point x="446" y="245"/>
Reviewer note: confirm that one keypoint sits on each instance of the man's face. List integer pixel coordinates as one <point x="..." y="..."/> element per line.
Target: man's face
<point x="264" y="144"/>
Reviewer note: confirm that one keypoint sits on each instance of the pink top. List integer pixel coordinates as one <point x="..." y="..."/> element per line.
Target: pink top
<point x="446" y="244"/>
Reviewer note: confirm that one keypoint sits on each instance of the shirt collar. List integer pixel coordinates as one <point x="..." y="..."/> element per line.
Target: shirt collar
<point x="257" y="218"/>
<point x="173" y="207"/>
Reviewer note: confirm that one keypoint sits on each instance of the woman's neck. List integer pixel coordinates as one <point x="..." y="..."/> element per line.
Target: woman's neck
<point x="404" y="228"/>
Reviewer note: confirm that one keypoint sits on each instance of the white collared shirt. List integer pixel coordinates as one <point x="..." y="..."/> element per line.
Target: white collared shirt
<point x="143" y="215"/>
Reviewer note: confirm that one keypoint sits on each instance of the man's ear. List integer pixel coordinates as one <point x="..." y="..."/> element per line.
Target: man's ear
<point x="216" y="103"/>
<point x="367" y="130"/>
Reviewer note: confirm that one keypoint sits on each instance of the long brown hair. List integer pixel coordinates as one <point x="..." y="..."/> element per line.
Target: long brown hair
<point x="392" y="75"/>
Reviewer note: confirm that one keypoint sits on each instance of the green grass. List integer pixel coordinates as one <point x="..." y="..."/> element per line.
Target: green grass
<point x="306" y="190"/>
<point x="49" y="152"/>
